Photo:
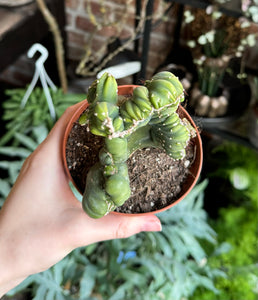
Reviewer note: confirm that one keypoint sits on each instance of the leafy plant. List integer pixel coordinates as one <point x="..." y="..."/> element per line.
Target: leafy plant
<point x="239" y="166"/>
<point x="236" y="224"/>
<point x="25" y="129"/>
<point x="35" y="113"/>
<point x="162" y="265"/>
<point x="166" y="265"/>
<point x="238" y="227"/>
<point x="147" y="118"/>
<point x="214" y="46"/>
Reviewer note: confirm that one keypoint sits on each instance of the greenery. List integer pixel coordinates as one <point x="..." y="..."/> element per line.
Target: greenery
<point x="238" y="227"/>
<point x="166" y="265"/>
<point x="187" y="260"/>
<point x="26" y="128"/>
<point x="146" y="118"/>
<point x="36" y="111"/>
<point x="237" y="224"/>
<point x="215" y="44"/>
<point x="238" y="165"/>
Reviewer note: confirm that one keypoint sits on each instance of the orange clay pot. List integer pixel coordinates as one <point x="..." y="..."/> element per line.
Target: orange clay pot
<point x="194" y="171"/>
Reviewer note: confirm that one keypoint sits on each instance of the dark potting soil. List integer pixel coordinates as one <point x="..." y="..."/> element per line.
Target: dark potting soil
<point x="155" y="178"/>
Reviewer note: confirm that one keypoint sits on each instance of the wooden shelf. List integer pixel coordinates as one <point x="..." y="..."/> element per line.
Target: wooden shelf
<point x="23" y="26"/>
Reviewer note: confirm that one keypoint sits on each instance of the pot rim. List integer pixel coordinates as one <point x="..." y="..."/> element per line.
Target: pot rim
<point x="189" y="182"/>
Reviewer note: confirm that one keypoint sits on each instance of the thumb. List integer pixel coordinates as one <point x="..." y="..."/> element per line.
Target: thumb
<point x="125" y="226"/>
<point x="113" y="226"/>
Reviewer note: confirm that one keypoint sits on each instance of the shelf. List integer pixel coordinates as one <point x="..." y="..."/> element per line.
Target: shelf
<point x="23" y="26"/>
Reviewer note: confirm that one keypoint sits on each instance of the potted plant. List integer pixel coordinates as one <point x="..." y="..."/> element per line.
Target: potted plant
<point x="119" y="133"/>
<point x="216" y="48"/>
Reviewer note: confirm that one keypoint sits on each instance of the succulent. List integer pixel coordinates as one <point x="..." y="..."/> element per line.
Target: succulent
<point x="147" y="118"/>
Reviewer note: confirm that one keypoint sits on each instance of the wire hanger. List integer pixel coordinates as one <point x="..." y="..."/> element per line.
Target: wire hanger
<point x="40" y="73"/>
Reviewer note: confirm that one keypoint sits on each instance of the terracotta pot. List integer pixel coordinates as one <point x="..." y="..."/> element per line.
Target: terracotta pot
<point x="195" y="168"/>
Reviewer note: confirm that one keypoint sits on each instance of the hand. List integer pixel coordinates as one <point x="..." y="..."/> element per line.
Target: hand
<point x="41" y="221"/>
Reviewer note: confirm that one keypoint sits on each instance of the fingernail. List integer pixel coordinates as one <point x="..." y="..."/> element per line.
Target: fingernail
<point x="152" y="225"/>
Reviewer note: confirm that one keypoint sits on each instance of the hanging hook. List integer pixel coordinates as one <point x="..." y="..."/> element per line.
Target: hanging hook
<point x="41" y="73"/>
<point x="43" y="51"/>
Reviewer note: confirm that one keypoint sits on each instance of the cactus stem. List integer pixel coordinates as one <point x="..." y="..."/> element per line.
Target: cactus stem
<point x="136" y="123"/>
<point x="128" y="126"/>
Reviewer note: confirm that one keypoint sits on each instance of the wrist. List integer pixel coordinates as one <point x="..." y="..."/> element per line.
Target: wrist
<point x="6" y="287"/>
<point x="10" y="275"/>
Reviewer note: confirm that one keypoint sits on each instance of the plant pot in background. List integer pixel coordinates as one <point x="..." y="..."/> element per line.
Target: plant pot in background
<point x="236" y="100"/>
<point x="194" y="170"/>
<point x="209" y="107"/>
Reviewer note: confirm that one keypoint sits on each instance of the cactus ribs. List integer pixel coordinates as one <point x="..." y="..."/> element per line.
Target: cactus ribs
<point x="149" y="118"/>
<point x="155" y="178"/>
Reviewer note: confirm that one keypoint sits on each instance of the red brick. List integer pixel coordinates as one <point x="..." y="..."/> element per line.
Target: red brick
<point x="68" y="18"/>
<point x="84" y="24"/>
<point x="72" y="4"/>
<point x="108" y="31"/>
<point x="75" y="38"/>
<point x="95" y="8"/>
<point x="97" y="43"/>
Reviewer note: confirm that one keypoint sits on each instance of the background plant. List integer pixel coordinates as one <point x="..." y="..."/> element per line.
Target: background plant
<point x="26" y="128"/>
<point x="35" y="113"/>
<point x="164" y="265"/>
<point x="167" y="265"/>
<point x="250" y="9"/>
<point x="239" y="166"/>
<point x="103" y="19"/>
<point x="237" y="222"/>
<point x="215" y="44"/>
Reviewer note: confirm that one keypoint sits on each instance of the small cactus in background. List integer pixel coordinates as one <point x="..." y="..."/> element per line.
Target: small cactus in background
<point x="148" y="118"/>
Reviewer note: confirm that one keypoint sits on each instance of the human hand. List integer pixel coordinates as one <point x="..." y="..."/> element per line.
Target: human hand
<point x="41" y="221"/>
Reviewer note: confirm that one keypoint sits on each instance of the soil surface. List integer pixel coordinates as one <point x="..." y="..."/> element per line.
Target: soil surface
<point x="155" y="178"/>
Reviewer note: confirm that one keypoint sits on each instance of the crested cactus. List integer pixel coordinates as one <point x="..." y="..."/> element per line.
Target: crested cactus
<point x="148" y="118"/>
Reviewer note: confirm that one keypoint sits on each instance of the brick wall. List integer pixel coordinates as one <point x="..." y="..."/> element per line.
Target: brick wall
<point x="79" y="28"/>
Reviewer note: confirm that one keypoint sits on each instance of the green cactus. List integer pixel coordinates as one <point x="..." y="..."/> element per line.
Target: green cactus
<point x="146" y="119"/>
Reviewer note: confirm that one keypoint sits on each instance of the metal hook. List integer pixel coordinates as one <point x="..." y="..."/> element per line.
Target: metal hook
<point x="41" y="73"/>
